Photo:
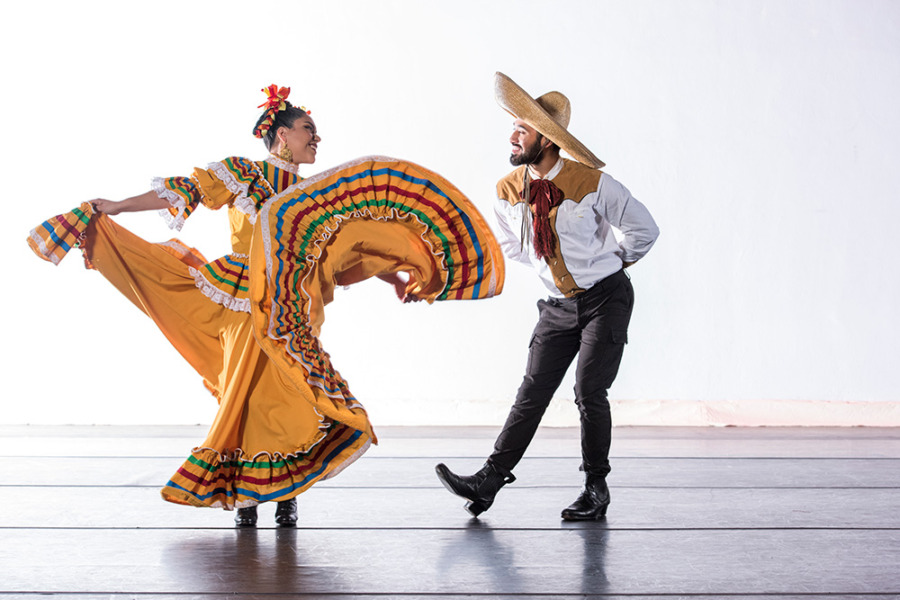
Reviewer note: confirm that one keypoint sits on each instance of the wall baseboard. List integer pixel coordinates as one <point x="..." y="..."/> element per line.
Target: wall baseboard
<point x="758" y="413"/>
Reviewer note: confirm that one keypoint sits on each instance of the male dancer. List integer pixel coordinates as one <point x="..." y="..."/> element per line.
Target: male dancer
<point x="558" y="215"/>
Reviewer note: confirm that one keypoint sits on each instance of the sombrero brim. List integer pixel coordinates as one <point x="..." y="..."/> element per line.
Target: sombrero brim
<point x="521" y="105"/>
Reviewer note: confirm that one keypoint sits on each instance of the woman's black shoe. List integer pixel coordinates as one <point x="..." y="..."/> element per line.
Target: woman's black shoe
<point x="245" y="517"/>
<point x="286" y="513"/>
<point x="479" y="489"/>
<point x="592" y="503"/>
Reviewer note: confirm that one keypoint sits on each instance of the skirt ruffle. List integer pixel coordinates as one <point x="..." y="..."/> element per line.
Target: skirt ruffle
<point x="207" y="478"/>
<point x="367" y="217"/>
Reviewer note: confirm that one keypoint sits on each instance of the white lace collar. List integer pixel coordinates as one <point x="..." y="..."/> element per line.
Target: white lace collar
<point x="282" y="164"/>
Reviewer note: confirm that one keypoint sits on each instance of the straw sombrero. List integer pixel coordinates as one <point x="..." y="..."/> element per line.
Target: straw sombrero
<point x="549" y="114"/>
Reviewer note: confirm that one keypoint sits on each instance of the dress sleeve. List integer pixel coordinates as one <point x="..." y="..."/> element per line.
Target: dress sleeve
<point x="183" y="196"/>
<point x="234" y="181"/>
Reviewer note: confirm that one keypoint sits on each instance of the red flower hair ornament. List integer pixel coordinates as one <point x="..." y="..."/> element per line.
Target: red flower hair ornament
<point x="276" y="101"/>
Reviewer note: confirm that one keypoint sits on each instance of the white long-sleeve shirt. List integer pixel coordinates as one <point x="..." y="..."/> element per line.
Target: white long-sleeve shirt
<point x="584" y="226"/>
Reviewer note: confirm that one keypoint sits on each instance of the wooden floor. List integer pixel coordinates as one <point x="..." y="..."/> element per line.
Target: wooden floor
<point x="696" y="513"/>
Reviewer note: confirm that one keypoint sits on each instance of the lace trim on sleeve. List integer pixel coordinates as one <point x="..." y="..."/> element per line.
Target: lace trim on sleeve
<point x="174" y="221"/>
<point x="242" y="201"/>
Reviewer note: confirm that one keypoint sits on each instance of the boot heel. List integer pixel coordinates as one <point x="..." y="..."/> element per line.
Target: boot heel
<point x="475" y="508"/>
<point x="479" y="489"/>
<point x="592" y="503"/>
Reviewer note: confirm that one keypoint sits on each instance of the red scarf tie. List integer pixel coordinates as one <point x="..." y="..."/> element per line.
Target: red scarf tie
<point x="544" y="196"/>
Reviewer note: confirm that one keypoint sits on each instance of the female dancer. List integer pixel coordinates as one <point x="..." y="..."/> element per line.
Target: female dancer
<point x="248" y="322"/>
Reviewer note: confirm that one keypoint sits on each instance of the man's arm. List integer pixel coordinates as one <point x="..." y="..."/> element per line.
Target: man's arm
<point x="508" y="240"/>
<point x="629" y="216"/>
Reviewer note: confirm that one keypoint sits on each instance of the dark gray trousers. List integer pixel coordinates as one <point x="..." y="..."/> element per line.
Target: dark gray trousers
<point x="594" y="326"/>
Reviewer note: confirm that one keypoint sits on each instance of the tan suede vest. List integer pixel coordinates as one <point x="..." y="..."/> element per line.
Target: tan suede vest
<point x="576" y="181"/>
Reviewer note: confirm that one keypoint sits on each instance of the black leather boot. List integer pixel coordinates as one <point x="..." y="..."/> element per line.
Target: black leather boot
<point x="245" y="517"/>
<point x="286" y="513"/>
<point x="592" y="503"/>
<point x="479" y="489"/>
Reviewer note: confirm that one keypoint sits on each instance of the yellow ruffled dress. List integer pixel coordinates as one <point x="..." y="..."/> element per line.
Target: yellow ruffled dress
<point x="248" y="322"/>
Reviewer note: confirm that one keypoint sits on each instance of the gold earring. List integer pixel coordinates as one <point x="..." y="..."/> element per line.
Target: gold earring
<point x="285" y="154"/>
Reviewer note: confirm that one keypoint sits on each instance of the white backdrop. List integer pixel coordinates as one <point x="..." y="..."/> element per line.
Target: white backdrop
<point x="762" y="135"/>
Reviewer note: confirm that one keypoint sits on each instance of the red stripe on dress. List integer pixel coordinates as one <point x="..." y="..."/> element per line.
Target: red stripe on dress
<point x="69" y="227"/>
<point x="463" y="250"/>
<point x="222" y="268"/>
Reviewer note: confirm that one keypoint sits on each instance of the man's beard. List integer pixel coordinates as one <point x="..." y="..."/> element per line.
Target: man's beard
<point x="528" y="155"/>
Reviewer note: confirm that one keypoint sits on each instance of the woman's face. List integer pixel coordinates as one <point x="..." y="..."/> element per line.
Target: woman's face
<point x="302" y="139"/>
